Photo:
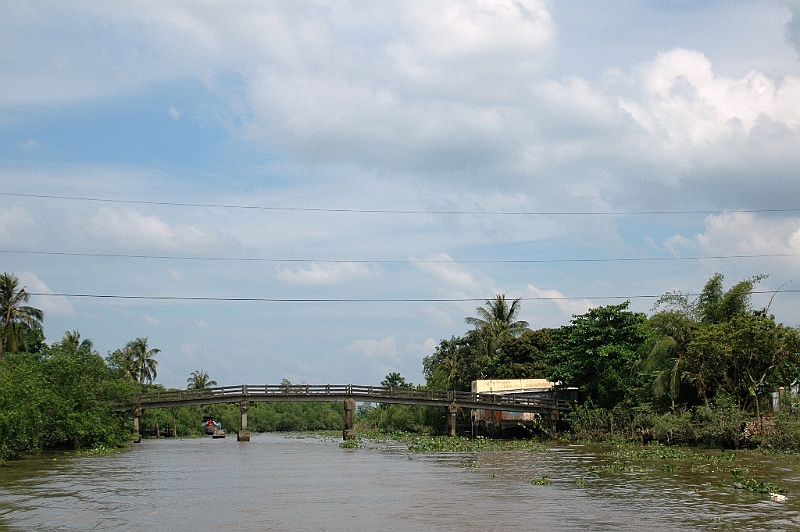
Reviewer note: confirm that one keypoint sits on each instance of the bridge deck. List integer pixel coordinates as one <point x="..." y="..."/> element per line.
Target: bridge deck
<point x="340" y="392"/>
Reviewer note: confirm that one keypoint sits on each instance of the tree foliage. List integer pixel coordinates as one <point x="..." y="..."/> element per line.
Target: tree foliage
<point x="496" y="322"/>
<point x="596" y="352"/>
<point x="136" y="361"/>
<point x="199" y="380"/>
<point x="62" y="398"/>
<point x="15" y="316"/>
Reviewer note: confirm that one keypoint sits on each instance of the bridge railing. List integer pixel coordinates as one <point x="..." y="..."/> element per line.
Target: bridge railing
<point x="368" y="393"/>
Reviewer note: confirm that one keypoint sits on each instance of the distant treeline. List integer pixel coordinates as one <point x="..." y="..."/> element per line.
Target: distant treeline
<point x="697" y="371"/>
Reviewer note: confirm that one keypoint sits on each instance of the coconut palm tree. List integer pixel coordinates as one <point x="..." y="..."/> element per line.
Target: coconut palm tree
<point x="72" y="343"/>
<point x="14" y="315"/>
<point x="497" y="321"/>
<point x="143" y="360"/>
<point x="199" y="380"/>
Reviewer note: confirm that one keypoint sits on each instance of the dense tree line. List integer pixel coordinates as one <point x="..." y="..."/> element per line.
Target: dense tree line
<point x="61" y="396"/>
<point x="681" y="374"/>
<point x="694" y="371"/>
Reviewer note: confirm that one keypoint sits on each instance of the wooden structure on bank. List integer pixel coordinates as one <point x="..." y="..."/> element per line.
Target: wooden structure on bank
<point x="349" y="394"/>
<point x="489" y="421"/>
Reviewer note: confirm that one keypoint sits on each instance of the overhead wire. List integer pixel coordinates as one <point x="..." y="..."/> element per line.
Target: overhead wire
<point x="392" y="211"/>
<point x="365" y="300"/>
<point x="393" y="261"/>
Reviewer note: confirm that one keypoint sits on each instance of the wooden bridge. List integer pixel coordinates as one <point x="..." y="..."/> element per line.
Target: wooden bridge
<point x="348" y="393"/>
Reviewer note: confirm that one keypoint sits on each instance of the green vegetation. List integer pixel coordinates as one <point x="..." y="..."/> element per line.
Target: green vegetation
<point x="262" y="417"/>
<point x="695" y="372"/>
<point x="59" y="398"/>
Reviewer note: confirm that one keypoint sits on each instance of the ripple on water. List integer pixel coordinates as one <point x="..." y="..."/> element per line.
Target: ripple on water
<point x="280" y="483"/>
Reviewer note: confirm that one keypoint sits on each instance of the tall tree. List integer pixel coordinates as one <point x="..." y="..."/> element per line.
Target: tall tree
<point x="496" y="322"/>
<point x="72" y="344"/>
<point x="665" y="362"/>
<point x="395" y="380"/>
<point x="680" y="321"/>
<point x="713" y="304"/>
<point x="14" y="315"/>
<point x="743" y="358"/>
<point x="199" y="380"/>
<point x="144" y="362"/>
<point x="596" y="352"/>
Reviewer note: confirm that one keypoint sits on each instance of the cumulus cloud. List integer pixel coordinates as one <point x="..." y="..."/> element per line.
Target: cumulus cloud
<point x="793" y="26"/>
<point x="190" y="349"/>
<point x="385" y="349"/>
<point x="683" y="102"/>
<point x="15" y="222"/>
<point x="50" y="305"/>
<point x="129" y="229"/>
<point x="326" y="273"/>
<point x="742" y="232"/>
<point x="442" y="267"/>
<point x="569" y="307"/>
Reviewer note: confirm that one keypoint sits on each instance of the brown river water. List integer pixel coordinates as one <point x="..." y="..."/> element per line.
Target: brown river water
<point x="279" y="482"/>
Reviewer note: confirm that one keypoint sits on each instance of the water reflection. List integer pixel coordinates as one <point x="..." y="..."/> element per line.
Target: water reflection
<point x="280" y="483"/>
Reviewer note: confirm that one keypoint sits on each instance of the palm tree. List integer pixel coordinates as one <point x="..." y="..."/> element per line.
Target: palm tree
<point x="143" y="360"/>
<point x="73" y="344"/>
<point x="665" y="362"/>
<point x="497" y="321"/>
<point x="199" y="380"/>
<point x="14" y="316"/>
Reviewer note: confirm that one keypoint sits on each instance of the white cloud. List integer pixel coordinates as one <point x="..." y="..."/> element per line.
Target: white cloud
<point x="441" y="318"/>
<point x="737" y="233"/>
<point x="442" y="267"/>
<point x="326" y="273"/>
<point x="683" y="100"/>
<point x="14" y="224"/>
<point x="30" y="145"/>
<point x="128" y="229"/>
<point x="150" y="320"/>
<point x="48" y="304"/>
<point x="385" y="349"/>
<point x="569" y="307"/>
<point x="190" y="349"/>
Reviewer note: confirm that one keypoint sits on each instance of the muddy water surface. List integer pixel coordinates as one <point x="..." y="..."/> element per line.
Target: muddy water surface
<point x="276" y="482"/>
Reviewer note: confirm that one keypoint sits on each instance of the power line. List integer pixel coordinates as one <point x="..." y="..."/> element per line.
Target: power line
<point x="393" y="261"/>
<point x="390" y="211"/>
<point x="365" y="300"/>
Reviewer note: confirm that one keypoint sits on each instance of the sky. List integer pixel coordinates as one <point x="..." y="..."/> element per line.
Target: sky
<point x="323" y="191"/>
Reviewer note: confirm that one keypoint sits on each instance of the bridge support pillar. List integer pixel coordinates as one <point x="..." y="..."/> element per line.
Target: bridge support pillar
<point x="244" y="434"/>
<point x="349" y="433"/>
<point x="136" y="411"/>
<point x="554" y="417"/>
<point x="452" y="410"/>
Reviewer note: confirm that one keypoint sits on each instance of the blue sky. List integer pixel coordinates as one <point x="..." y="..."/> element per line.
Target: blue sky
<point x="242" y="149"/>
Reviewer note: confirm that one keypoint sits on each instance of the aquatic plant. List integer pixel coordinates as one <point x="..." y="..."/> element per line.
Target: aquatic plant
<point x="544" y="481"/>
<point x="753" y="485"/>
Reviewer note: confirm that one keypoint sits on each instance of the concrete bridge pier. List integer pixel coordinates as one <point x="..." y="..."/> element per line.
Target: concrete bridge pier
<point x="136" y="411"/>
<point x="349" y="433"/>
<point x="244" y="434"/>
<point x="452" y="410"/>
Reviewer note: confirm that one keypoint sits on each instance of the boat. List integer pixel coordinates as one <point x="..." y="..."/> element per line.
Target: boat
<point x="211" y="427"/>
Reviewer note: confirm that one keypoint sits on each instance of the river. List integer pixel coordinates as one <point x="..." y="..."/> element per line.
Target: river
<point x="280" y="482"/>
